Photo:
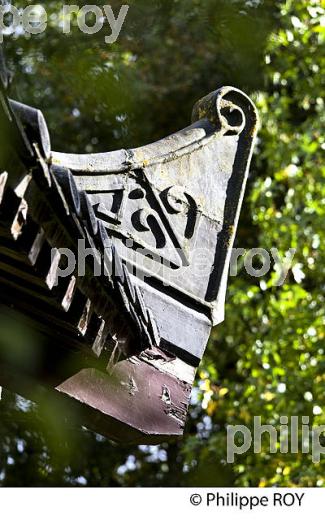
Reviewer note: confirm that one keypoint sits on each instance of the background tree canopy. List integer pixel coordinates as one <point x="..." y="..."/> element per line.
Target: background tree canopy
<point x="268" y="358"/>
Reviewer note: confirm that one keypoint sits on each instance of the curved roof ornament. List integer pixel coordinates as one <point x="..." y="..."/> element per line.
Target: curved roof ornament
<point x="160" y="221"/>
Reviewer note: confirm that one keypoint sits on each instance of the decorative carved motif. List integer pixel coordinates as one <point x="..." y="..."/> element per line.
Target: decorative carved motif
<point x="171" y="204"/>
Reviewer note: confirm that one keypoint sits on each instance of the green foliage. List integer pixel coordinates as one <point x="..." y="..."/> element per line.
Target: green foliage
<point x="267" y="359"/>
<point x="272" y="360"/>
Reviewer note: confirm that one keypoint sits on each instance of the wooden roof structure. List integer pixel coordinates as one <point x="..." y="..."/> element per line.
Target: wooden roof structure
<point x="122" y="342"/>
